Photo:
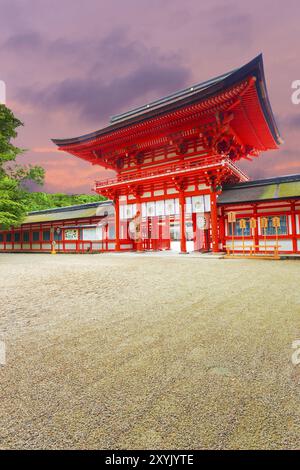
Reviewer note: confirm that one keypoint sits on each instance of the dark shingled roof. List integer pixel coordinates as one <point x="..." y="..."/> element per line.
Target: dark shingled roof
<point x="189" y="96"/>
<point x="282" y="187"/>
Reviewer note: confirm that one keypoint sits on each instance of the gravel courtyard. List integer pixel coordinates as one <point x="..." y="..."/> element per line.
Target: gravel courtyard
<point x="140" y="352"/>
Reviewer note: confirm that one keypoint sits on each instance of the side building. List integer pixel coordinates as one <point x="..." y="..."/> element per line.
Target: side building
<point x="81" y="228"/>
<point x="91" y="227"/>
<point x="262" y="200"/>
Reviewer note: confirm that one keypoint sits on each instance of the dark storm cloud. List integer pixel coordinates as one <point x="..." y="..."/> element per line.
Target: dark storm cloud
<point x="93" y="96"/>
<point x="26" y="40"/>
<point x="64" y="60"/>
<point x="118" y="49"/>
<point x="94" y="99"/>
<point x="291" y="122"/>
<point x="32" y="41"/>
<point x="114" y="48"/>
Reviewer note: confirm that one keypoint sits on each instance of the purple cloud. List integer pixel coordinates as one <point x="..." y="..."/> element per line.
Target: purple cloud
<point x="93" y="98"/>
<point x="22" y="41"/>
<point x="234" y="29"/>
<point x="291" y="122"/>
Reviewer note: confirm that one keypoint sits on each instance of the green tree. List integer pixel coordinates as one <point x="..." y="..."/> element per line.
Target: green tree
<point x="12" y="175"/>
<point x="39" y="201"/>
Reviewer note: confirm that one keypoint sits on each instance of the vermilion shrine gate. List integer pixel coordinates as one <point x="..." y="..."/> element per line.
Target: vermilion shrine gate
<point x="172" y="156"/>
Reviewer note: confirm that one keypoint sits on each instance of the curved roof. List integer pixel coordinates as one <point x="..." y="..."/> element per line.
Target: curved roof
<point x="187" y="97"/>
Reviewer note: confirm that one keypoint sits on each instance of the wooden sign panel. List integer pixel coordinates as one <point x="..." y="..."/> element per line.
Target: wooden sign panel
<point x="71" y="234"/>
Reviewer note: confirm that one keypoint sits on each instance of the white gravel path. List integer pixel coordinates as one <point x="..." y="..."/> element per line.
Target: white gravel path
<point x="111" y="352"/>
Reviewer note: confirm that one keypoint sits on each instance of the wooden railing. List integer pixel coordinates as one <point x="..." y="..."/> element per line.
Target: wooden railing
<point x="65" y="246"/>
<point x="165" y="169"/>
<point x="249" y="251"/>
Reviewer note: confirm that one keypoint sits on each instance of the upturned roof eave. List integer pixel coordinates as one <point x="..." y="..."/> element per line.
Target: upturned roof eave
<point x="252" y="68"/>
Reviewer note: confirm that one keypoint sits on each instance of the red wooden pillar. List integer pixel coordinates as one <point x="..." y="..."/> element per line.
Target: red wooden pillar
<point x="256" y="236"/>
<point x="154" y="233"/>
<point x="182" y="222"/>
<point x="139" y="243"/>
<point x="214" y="221"/>
<point x="63" y="237"/>
<point x="294" y="229"/>
<point x="30" y="236"/>
<point x="52" y="237"/>
<point x="195" y="237"/>
<point x="222" y="228"/>
<point x="105" y="236"/>
<point x="117" y="222"/>
<point x="166" y="232"/>
<point x="12" y="238"/>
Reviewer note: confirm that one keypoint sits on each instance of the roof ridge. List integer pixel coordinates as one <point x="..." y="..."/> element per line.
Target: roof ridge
<point x="70" y="208"/>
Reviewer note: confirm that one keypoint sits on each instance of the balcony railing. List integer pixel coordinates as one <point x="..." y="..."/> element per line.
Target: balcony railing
<point x="166" y="169"/>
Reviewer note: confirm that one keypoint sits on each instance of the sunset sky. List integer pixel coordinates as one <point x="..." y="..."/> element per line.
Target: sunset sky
<point x="70" y="64"/>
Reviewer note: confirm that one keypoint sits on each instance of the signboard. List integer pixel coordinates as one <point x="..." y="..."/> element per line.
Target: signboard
<point x="92" y="233"/>
<point x="170" y="207"/>
<point x="201" y="222"/>
<point x="207" y="203"/>
<point x="198" y="203"/>
<point x="150" y="209"/>
<point x="71" y="234"/>
<point x="135" y="228"/>
<point x="127" y="211"/>
<point x="160" y="207"/>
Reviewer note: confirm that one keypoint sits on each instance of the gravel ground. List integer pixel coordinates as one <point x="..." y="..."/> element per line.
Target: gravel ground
<point x="141" y="352"/>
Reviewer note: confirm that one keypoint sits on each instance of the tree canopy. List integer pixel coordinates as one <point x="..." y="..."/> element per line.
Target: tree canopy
<point x="13" y="177"/>
<point x="15" y="198"/>
<point x="39" y="201"/>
